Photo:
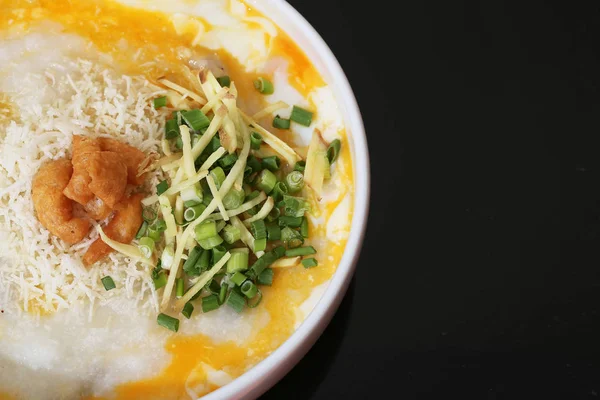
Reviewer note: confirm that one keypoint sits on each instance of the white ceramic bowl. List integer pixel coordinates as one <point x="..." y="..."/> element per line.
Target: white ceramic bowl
<point x="265" y="374"/>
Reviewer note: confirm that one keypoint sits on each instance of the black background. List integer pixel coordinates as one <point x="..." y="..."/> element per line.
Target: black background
<point x="480" y="272"/>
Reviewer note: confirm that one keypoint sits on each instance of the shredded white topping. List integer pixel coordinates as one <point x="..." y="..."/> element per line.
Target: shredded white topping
<point x="38" y="272"/>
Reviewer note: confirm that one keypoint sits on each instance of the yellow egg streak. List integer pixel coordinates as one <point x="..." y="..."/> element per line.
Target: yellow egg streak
<point x="105" y="24"/>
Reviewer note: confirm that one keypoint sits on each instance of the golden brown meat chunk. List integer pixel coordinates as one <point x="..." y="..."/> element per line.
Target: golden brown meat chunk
<point x="122" y="228"/>
<point x="132" y="156"/>
<point x="108" y="175"/>
<point x="97" y="209"/>
<point x="78" y="188"/>
<point x="54" y="210"/>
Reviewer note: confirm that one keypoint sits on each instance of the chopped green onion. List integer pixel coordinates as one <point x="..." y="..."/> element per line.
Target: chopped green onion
<point x="238" y="278"/>
<point x="179" y="143"/>
<point x="217" y="253"/>
<point x="273" y="232"/>
<point x="293" y="222"/>
<point x="153" y="233"/>
<point x="294" y="181"/>
<point x="231" y="234"/>
<point x="255" y="140"/>
<point x="162" y="187"/>
<point x="274" y="214"/>
<point x="304" y="227"/>
<point x="301" y="116"/>
<point x="160" y="280"/>
<point x="148" y="215"/>
<point x="214" y="286"/>
<point x="236" y="301"/>
<point x="168" y="322"/>
<point x="146" y="246"/>
<point x="265" y="277"/>
<point x="205" y="230"/>
<point x="203" y="262"/>
<point x="160" y="102"/>
<point x="222" y="294"/>
<point x="295" y="206"/>
<point x="179" y="287"/>
<point x="279" y="191"/>
<point x="264" y="86"/>
<point x="189" y="266"/>
<point x="300" y="251"/>
<point x="260" y="245"/>
<point x="192" y="194"/>
<point x="252" y="303"/>
<point x="259" y="231"/>
<point x="188" y="309"/>
<point x="327" y="168"/>
<point x="228" y="160"/>
<point x="248" y="289"/>
<point x="266" y="260"/>
<point x="281" y="123"/>
<point x="333" y="151"/>
<point x="291" y="237"/>
<point x="237" y="262"/>
<point x="272" y="163"/>
<point x="210" y="303"/>
<point x="266" y="181"/>
<point x="234" y="198"/>
<point x="160" y="225"/>
<point x="309" y="262"/>
<point x="142" y="231"/>
<point x="224" y="80"/>
<point x="208" y="198"/>
<point x="218" y="176"/>
<point x="254" y="163"/>
<point x="167" y="257"/>
<point x="108" y="283"/>
<point x="193" y="212"/>
<point x="195" y="119"/>
<point x="300" y="166"/>
<point x="210" y="242"/>
<point x="172" y="129"/>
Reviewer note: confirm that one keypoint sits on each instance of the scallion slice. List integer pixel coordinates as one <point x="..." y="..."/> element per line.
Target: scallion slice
<point x="218" y="176"/>
<point x="160" y="102"/>
<point x="281" y="123"/>
<point x="189" y="267"/>
<point x="265" y="277"/>
<point x="108" y="283"/>
<point x="255" y="301"/>
<point x="195" y="119"/>
<point x="300" y="166"/>
<point x="142" y="231"/>
<point x="231" y="234"/>
<point x="179" y="287"/>
<point x="224" y="80"/>
<point x="203" y="262"/>
<point x="260" y="245"/>
<point x="149" y="215"/>
<point x="210" y="303"/>
<point x="228" y="160"/>
<point x="300" y="251"/>
<point x="279" y="191"/>
<point x="291" y="237"/>
<point x="255" y="140"/>
<point x="210" y="242"/>
<point x="162" y="187"/>
<point x="168" y="322"/>
<point x="294" y="181"/>
<point x="237" y="262"/>
<point x="217" y="253"/>
<point x="249" y="289"/>
<point x="146" y="246"/>
<point x="264" y="85"/>
<point x="293" y="222"/>
<point x="259" y="231"/>
<point x="254" y="163"/>
<point x="188" y="310"/>
<point x="272" y="163"/>
<point x="206" y="230"/>
<point x="333" y="151"/>
<point x="236" y="301"/>
<point x="301" y="116"/>
<point x="304" y="227"/>
<point x="266" y="181"/>
<point x="172" y="129"/>
<point x="233" y="199"/>
<point x="273" y="232"/>
<point x="310" y="262"/>
<point x="238" y="278"/>
<point x="192" y="194"/>
<point x="193" y="212"/>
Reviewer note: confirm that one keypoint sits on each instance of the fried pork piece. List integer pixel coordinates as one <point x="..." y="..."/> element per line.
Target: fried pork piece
<point x="97" y="209"/>
<point x="78" y="188"/>
<point x="132" y="156"/>
<point x="122" y="228"/>
<point x="108" y="175"/>
<point x="54" y="210"/>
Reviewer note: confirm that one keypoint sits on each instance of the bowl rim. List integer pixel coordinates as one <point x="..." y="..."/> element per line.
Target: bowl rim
<point x="270" y="370"/>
